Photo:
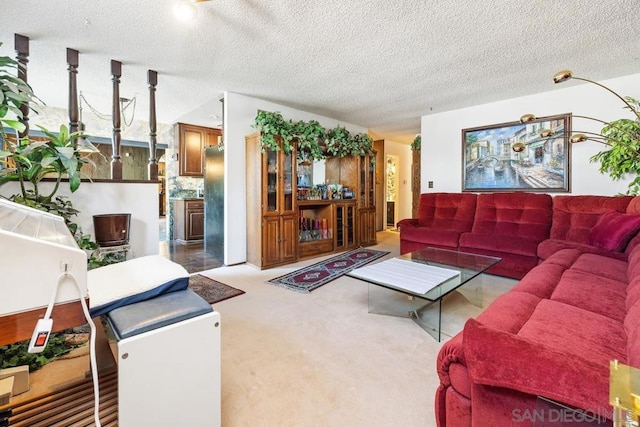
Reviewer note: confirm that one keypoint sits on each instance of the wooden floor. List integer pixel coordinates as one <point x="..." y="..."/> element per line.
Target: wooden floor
<point x="191" y="256"/>
<point x="71" y="406"/>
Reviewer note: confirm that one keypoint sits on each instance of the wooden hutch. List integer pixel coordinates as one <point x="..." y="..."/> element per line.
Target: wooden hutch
<point x="286" y="223"/>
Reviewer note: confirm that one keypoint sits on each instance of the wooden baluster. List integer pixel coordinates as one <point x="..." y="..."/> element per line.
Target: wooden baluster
<point x="152" y="80"/>
<point x="22" y="53"/>
<point x="72" y="61"/>
<point x="116" y="164"/>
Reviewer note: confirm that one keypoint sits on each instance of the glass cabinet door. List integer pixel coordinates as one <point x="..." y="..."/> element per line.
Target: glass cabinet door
<point x="371" y="178"/>
<point x="288" y="175"/>
<point x="272" y="181"/>
<point x="350" y="228"/>
<point x="362" y="199"/>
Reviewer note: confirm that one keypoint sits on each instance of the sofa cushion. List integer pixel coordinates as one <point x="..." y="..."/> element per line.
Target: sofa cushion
<point x="575" y="216"/>
<point x="500" y="243"/>
<point x="510" y="311"/>
<point x="614" y="230"/>
<point x="593" y="293"/>
<point x="431" y="236"/>
<point x="550" y="246"/>
<point x="576" y="332"/>
<point x="450" y="211"/>
<point x="522" y="215"/>
<point x="541" y="281"/>
<point x="598" y="265"/>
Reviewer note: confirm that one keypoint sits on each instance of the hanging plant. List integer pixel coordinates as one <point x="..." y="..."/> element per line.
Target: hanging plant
<point x="341" y="143"/>
<point x="309" y="135"/>
<point x="417" y="143"/>
<point x="272" y="125"/>
<point x="362" y="145"/>
<point x="338" y="141"/>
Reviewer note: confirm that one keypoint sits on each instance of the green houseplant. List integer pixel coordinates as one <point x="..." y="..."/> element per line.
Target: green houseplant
<point x="417" y="143"/>
<point x="623" y="158"/>
<point x="60" y="155"/>
<point x="272" y="125"/>
<point x="313" y="141"/>
<point x="310" y="139"/>
<point x="13" y="93"/>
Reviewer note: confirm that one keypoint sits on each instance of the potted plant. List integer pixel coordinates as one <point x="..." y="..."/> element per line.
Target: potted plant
<point x="29" y="162"/>
<point x="417" y="143"/>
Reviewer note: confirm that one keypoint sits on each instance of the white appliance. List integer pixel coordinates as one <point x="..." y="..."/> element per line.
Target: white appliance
<point x="36" y="248"/>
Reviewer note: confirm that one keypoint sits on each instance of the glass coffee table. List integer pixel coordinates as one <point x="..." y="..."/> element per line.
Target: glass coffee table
<point x="415" y="284"/>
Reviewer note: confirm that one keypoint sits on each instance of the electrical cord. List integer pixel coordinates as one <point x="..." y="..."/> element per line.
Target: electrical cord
<point x="92" y="340"/>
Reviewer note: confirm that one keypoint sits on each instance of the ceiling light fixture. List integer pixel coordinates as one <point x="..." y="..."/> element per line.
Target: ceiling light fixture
<point x="185" y="10"/>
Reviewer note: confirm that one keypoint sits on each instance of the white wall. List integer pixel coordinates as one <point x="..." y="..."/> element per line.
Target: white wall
<point x="94" y="198"/>
<point x="239" y="114"/>
<point x="441" y="154"/>
<point x="403" y="153"/>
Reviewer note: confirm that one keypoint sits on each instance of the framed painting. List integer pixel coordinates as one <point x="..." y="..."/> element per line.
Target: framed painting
<point x="516" y="156"/>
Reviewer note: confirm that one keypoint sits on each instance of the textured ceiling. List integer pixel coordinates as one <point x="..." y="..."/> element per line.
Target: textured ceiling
<point x="377" y="64"/>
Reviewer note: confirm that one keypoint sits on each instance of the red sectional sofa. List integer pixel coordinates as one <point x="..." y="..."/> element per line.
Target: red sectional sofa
<point x="442" y="218"/>
<point x="553" y="335"/>
<point x="506" y="225"/>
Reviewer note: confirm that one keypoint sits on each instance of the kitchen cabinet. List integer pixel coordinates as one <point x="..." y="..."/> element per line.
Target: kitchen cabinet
<point x="189" y="220"/>
<point x="192" y="140"/>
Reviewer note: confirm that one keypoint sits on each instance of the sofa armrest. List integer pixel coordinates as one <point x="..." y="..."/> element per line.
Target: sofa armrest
<point x="451" y="352"/>
<point x="408" y="222"/>
<point x="502" y="359"/>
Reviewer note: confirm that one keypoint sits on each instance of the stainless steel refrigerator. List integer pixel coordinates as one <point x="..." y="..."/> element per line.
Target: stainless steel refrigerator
<point x="214" y="202"/>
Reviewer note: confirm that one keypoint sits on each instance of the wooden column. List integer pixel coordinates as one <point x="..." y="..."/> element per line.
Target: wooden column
<point x="72" y="61"/>
<point x="22" y="53"/>
<point x="116" y="164"/>
<point x="152" y="80"/>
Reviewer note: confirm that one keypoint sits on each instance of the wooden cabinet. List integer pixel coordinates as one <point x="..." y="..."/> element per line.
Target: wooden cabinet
<point x="272" y="229"/>
<point x="367" y="226"/>
<point x="189" y="220"/>
<point x="279" y="240"/>
<point x="345" y="228"/>
<point x="192" y="141"/>
<point x="367" y="200"/>
<point x="315" y="227"/>
<point x="282" y="229"/>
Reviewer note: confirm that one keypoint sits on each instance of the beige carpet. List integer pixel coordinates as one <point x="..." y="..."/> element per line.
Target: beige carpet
<point x="320" y="359"/>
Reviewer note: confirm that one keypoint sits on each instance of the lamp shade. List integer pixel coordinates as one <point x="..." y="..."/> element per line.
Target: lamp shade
<point x="562" y="76"/>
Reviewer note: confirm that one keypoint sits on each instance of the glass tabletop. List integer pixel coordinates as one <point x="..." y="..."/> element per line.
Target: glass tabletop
<point x="452" y="269"/>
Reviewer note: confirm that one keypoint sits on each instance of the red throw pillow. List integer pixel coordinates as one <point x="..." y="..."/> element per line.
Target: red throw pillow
<point x="614" y="230"/>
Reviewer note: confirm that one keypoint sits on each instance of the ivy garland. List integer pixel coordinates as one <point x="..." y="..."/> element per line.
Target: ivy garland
<point x="314" y="141"/>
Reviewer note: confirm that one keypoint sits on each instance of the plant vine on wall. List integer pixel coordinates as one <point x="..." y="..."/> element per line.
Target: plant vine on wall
<point x="313" y="141"/>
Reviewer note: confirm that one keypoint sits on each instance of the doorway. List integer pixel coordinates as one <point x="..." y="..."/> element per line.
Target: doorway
<point x="392" y="190"/>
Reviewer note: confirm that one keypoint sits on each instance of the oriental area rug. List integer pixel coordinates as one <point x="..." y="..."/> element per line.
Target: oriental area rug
<point x="309" y="278"/>
<point x="211" y="290"/>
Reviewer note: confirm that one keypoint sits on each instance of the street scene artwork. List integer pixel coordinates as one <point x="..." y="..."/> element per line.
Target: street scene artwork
<point x="531" y="156"/>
